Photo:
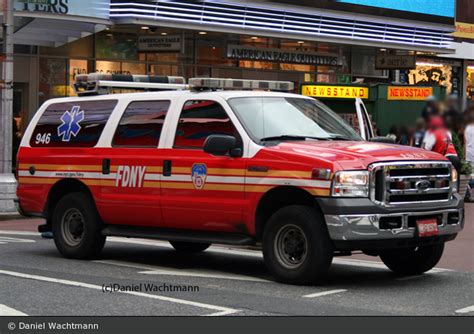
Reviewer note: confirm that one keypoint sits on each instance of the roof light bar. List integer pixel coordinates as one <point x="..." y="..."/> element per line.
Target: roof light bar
<point x="104" y="83"/>
<point x="238" y="84"/>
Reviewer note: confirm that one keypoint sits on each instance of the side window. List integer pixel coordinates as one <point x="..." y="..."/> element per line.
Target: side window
<point x="141" y="124"/>
<point x="72" y="124"/>
<point x="200" y="119"/>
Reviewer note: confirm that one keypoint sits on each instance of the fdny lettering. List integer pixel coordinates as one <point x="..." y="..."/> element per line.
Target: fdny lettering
<point x="130" y="176"/>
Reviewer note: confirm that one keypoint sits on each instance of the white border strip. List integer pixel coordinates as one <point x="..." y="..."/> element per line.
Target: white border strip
<point x="8" y="311"/>
<point x="324" y="293"/>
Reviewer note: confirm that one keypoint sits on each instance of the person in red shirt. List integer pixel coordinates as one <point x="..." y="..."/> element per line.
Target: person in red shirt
<point x="438" y="139"/>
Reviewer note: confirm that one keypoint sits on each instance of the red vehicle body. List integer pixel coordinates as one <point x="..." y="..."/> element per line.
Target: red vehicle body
<point x="193" y="193"/>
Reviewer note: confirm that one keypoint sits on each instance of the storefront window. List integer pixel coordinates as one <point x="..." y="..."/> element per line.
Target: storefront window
<point x="155" y="69"/>
<point x="77" y="66"/>
<point x="133" y="68"/>
<point x="107" y="67"/>
<point x="116" y="45"/>
<point x="164" y="57"/>
<point x="436" y="72"/>
<point x="53" y="81"/>
<point x="470" y="82"/>
<point x="82" y="47"/>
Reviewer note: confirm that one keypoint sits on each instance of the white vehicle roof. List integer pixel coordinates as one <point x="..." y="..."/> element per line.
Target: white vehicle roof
<point x="176" y="94"/>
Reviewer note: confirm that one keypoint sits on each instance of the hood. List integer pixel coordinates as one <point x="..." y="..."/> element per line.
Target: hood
<point x="355" y="154"/>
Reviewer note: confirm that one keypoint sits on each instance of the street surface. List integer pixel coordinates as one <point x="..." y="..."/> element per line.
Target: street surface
<point x="36" y="280"/>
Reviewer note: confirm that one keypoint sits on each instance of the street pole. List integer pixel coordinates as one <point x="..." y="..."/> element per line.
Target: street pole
<point x="7" y="179"/>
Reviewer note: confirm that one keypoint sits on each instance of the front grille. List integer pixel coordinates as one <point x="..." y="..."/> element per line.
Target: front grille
<point x="407" y="183"/>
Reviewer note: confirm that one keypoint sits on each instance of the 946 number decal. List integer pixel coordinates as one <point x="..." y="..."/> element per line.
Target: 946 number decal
<point x="44" y="138"/>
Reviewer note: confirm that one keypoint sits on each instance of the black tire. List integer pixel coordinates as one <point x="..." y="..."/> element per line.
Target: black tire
<point x="189" y="247"/>
<point x="413" y="261"/>
<point x="296" y="245"/>
<point x="77" y="227"/>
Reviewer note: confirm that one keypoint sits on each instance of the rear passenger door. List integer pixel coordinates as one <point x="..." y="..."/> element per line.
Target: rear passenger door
<point x="132" y="167"/>
<point x="200" y="190"/>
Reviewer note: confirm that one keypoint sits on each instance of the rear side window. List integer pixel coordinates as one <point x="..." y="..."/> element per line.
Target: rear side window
<point x="72" y="124"/>
<point x="141" y="124"/>
<point x="200" y="119"/>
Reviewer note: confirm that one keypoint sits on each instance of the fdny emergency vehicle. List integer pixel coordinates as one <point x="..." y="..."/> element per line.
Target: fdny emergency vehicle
<point x="236" y="162"/>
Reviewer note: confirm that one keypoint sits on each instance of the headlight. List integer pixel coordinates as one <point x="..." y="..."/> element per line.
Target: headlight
<point x="351" y="184"/>
<point x="454" y="179"/>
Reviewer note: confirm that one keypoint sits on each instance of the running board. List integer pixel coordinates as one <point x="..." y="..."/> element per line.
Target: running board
<point x="178" y="235"/>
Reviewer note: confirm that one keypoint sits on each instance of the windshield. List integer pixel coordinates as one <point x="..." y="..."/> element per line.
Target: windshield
<point x="290" y="118"/>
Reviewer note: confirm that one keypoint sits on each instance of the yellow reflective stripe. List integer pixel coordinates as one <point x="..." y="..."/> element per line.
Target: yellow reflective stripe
<point x="207" y="186"/>
<point x="281" y="173"/>
<point x="177" y="185"/>
<point x="226" y="171"/>
<point x="96" y="182"/>
<point x="224" y="187"/>
<point x="258" y="189"/>
<point x="37" y="180"/>
<point x="176" y="170"/>
<point x="151" y="184"/>
<point x="75" y="168"/>
<point x="149" y="169"/>
<point x="181" y="170"/>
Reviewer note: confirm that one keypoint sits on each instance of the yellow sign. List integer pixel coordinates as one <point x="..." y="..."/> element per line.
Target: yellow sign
<point x="464" y="30"/>
<point x="335" y="92"/>
<point x="409" y="93"/>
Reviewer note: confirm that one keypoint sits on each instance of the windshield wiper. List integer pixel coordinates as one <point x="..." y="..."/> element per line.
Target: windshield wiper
<point x="338" y="137"/>
<point x="292" y="137"/>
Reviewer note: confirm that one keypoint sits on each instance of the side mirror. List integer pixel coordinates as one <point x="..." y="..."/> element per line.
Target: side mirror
<point x="222" y="145"/>
<point x="386" y="140"/>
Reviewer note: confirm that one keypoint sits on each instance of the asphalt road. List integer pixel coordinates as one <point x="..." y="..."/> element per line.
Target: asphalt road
<point x="35" y="280"/>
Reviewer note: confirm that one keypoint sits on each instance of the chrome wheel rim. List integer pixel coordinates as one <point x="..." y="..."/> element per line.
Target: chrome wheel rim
<point x="72" y="227"/>
<point x="291" y="246"/>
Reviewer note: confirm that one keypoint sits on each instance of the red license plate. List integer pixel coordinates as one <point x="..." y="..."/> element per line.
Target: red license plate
<point x="427" y="227"/>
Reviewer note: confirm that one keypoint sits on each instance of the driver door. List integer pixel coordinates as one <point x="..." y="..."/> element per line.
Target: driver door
<point x="366" y="129"/>
<point x="201" y="191"/>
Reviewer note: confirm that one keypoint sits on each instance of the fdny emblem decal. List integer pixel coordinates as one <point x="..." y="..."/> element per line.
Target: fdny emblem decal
<point x="198" y="175"/>
<point x="70" y="123"/>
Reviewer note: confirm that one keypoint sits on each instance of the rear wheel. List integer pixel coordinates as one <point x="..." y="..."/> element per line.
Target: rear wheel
<point x="296" y="245"/>
<point x="413" y="261"/>
<point x="189" y="247"/>
<point x="77" y="227"/>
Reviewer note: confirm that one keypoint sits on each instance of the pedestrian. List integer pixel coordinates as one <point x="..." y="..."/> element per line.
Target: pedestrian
<point x="404" y="136"/>
<point x="453" y="117"/>
<point x="430" y="109"/>
<point x="419" y="132"/>
<point x="393" y="133"/>
<point x="438" y="139"/>
<point x="469" y="144"/>
<point x="469" y="136"/>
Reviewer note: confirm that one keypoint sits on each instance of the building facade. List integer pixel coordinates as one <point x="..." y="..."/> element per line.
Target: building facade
<point x="329" y="42"/>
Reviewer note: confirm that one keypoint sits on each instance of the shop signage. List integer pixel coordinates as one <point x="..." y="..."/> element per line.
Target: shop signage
<point x="150" y="43"/>
<point x="37" y="2"/>
<point x="344" y="78"/>
<point x="409" y="93"/>
<point x="464" y="30"/>
<point x="242" y="52"/>
<point x="86" y="8"/>
<point x="335" y="92"/>
<point x="394" y="62"/>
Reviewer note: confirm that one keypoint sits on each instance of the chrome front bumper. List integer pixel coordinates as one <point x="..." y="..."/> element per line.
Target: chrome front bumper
<point x="366" y="227"/>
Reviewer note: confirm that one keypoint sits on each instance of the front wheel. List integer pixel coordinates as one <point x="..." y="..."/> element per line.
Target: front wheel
<point x="413" y="261"/>
<point x="296" y="245"/>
